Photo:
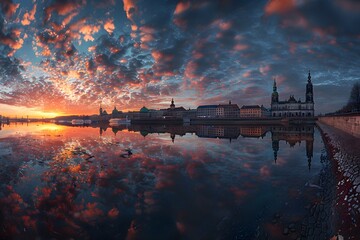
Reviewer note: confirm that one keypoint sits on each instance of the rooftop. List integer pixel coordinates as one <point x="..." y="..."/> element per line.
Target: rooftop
<point x="219" y="105"/>
<point x="250" y="106"/>
<point x="207" y="106"/>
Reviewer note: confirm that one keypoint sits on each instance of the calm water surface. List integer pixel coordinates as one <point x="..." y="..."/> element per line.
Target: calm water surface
<point x="192" y="182"/>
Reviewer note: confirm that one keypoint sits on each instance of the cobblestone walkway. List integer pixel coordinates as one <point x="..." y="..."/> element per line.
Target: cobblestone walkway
<point x="344" y="149"/>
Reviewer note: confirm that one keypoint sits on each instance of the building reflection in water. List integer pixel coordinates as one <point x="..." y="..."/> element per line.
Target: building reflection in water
<point x="291" y="134"/>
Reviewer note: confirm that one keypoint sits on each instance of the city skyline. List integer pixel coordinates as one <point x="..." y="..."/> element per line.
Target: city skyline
<point x="66" y="57"/>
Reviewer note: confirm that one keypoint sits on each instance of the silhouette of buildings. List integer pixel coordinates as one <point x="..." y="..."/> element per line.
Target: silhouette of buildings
<point x="173" y="112"/>
<point x="280" y="109"/>
<point x="116" y="113"/>
<point x="293" y="107"/>
<point x="102" y="112"/>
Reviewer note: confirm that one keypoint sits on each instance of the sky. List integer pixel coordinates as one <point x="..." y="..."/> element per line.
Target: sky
<point x="61" y="57"/>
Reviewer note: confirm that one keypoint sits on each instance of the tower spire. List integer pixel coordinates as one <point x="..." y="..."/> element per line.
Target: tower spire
<point x="274" y="95"/>
<point x="100" y="110"/>
<point x="274" y="86"/>
<point x="172" y="105"/>
<point x="309" y="96"/>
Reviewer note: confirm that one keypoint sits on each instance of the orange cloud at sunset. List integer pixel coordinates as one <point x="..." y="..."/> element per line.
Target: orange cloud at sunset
<point x="68" y="56"/>
<point x="182" y="7"/>
<point x="9" y="8"/>
<point x="29" y="16"/>
<point x="12" y="43"/>
<point x="62" y="9"/>
<point x="109" y="26"/>
<point x="279" y="6"/>
<point x="68" y="19"/>
<point x="88" y="31"/>
<point x="130" y="8"/>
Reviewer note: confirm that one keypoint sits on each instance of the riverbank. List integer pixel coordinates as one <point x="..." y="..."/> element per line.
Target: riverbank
<point x="344" y="154"/>
<point x="349" y="123"/>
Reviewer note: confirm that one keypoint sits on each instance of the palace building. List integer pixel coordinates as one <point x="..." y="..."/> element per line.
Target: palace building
<point x="293" y="107"/>
<point x="218" y="111"/>
<point x="254" y="111"/>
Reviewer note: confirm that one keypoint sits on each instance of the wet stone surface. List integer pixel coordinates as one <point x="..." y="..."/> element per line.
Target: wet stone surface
<point x="319" y="223"/>
<point x="345" y="151"/>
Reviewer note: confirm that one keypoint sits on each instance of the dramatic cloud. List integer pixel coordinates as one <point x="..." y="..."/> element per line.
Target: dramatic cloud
<point x="109" y="26"/>
<point x="279" y="6"/>
<point x="72" y="56"/>
<point x="9" y="8"/>
<point x="29" y="16"/>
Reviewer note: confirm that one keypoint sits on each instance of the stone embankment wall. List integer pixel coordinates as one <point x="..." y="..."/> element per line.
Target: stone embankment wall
<point x="346" y="123"/>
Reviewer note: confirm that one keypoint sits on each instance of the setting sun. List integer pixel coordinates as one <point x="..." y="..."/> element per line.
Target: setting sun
<point x="23" y="112"/>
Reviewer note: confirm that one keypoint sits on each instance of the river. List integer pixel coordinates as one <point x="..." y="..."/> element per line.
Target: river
<point x="158" y="182"/>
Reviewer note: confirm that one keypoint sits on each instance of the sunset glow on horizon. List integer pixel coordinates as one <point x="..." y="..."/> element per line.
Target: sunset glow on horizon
<point x="63" y="57"/>
<point x="23" y="112"/>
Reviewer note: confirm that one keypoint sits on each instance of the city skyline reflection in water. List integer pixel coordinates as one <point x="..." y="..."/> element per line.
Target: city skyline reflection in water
<point x="192" y="182"/>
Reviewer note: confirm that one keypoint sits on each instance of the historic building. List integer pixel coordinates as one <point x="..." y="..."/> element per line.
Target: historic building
<point x="254" y="111"/>
<point x="218" y="111"/>
<point x="102" y="112"/>
<point x="173" y="112"/>
<point x="145" y="113"/>
<point x="116" y="113"/>
<point x="206" y="111"/>
<point x="293" y="107"/>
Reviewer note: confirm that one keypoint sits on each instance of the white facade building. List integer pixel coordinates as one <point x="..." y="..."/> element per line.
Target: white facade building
<point x="293" y="107"/>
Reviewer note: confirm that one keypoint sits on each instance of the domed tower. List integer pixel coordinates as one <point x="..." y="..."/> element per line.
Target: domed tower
<point x="114" y="112"/>
<point x="172" y="105"/>
<point x="309" y="91"/>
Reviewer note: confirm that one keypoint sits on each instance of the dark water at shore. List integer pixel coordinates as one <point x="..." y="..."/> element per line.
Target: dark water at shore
<point x="192" y="182"/>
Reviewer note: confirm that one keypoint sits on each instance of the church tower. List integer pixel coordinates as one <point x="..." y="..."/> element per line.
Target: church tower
<point x="100" y="111"/>
<point x="309" y="91"/>
<point x="275" y="94"/>
<point x="172" y="105"/>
